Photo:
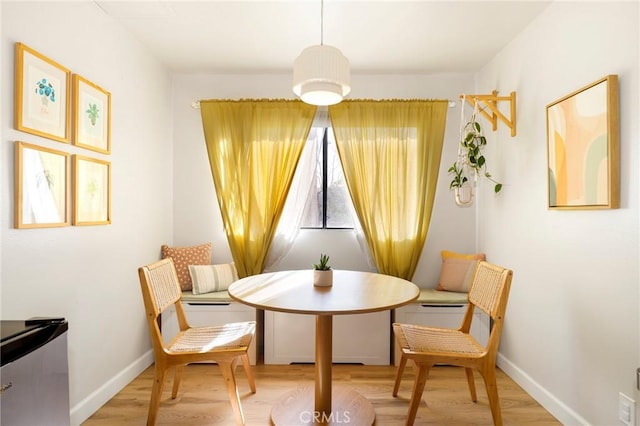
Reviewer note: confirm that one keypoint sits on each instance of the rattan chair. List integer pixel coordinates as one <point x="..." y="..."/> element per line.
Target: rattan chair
<point x="224" y="344"/>
<point x="427" y="346"/>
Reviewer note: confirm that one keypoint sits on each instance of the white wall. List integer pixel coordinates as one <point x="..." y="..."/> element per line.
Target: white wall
<point x="88" y="274"/>
<point x="197" y="218"/>
<point x="571" y="334"/>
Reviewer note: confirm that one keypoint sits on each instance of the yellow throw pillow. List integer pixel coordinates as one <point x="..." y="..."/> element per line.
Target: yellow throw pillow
<point x="183" y="257"/>
<point x="458" y="270"/>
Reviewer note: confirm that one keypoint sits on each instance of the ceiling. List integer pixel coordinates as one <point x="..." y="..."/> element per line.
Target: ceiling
<point x="379" y="36"/>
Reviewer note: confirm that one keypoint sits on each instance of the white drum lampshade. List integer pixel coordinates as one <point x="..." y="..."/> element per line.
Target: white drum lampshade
<point x="321" y="75"/>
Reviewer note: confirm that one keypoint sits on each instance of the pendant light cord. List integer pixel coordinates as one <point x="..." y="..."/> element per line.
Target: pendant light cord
<point x="321" y="22"/>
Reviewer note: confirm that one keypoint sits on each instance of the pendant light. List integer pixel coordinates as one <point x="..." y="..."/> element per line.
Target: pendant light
<point x="321" y="73"/>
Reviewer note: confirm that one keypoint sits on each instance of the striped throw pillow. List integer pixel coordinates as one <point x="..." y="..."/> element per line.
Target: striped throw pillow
<point x="209" y="278"/>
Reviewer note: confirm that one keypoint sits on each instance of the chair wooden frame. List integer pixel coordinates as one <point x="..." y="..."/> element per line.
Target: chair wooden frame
<point x="427" y="346"/>
<point x="224" y="345"/>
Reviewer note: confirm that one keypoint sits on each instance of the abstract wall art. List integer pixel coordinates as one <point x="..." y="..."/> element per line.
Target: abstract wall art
<point x="583" y="148"/>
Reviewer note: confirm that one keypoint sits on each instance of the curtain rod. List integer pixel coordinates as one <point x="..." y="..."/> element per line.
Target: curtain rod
<point x="196" y="104"/>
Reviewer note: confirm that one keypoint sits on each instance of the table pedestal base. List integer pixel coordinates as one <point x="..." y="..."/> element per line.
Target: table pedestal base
<point x="348" y="407"/>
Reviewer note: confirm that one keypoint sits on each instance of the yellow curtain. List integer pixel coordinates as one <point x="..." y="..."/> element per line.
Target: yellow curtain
<point x="253" y="148"/>
<point x="390" y="152"/>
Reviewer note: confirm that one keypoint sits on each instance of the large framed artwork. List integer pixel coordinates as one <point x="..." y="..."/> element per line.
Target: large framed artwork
<point x="91" y="191"/>
<point x="41" y="187"/>
<point x="92" y="116"/>
<point x="583" y="148"/>
<point x="42" y="89"/>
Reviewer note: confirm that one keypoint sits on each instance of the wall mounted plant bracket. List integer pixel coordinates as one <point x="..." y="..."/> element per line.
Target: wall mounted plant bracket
<point x="491" y="102"/>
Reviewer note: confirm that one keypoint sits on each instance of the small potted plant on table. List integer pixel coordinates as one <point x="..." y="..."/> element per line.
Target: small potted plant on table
<point x="322" y="272"/>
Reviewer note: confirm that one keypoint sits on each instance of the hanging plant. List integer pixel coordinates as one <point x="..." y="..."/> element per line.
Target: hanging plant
<point x="471" y="162"/>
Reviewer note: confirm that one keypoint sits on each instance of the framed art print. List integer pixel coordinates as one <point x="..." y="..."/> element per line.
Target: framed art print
<point x="583" y="148"/>
<point x="41" y="186"/>
<point x="92" y="116"/>
<point x="42" y="89"/>
<point x="91" y="191"/>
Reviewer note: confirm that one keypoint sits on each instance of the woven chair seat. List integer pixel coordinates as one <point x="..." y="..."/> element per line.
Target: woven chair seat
<point x="429" y="346"/>
<point x="436" y="340"/>
<point x="226" y="345"/>
<point x="205" y="339"/>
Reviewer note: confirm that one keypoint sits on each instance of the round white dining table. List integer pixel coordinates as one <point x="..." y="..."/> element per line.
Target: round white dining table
<point x="352" y="292"/>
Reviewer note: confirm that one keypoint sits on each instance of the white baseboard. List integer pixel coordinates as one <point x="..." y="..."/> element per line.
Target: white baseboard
<point x="557" y="408"/>
<point x="85" y="408"/>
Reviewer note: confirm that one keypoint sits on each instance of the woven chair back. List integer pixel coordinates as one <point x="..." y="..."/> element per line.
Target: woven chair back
<point x="163" y="285"/>
<point x="490" y="286"/>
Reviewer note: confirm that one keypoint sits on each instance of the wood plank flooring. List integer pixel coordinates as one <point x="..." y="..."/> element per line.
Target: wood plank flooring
<point x="202" y="399"/>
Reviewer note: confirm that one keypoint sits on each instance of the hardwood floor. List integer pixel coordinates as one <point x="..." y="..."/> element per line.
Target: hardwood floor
<point x="202" y="399"/>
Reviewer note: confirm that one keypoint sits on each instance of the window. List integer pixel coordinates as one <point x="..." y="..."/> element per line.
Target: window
<point x="328" y="205"/>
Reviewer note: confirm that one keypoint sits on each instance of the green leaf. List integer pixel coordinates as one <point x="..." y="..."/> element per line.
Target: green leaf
<point x="477" y="126"/>
<point x="481" y="160"/>
<point x="497" y="188"/>
<point x="324" y="263"/>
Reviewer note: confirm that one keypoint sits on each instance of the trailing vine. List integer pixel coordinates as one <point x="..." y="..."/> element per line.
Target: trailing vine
<point x="471" y="161"/>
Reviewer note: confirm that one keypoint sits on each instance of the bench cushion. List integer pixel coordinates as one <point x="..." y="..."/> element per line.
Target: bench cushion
<point x="439" y="297"/>
<point x="427" y="295"/>
<point x="213" y="297"/>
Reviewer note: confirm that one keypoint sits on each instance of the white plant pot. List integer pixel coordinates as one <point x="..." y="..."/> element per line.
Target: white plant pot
<point x="322" y="278"/>
<point x="464" y="195"/>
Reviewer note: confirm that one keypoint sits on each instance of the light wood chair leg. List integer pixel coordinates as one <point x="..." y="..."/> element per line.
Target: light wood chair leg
<point x="401" y="365"/>
<point x="227" y="368"/>
<point x="156" y="393"/>
<point x="472" y="384"/>
<point x="416" y="395"/>
<point x="249" y="372"/>
<point x="492" y="392"/>
<point x="177" y="377"/>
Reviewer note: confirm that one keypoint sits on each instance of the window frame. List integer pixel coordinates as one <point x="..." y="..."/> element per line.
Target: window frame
<point x="325" y="185"/>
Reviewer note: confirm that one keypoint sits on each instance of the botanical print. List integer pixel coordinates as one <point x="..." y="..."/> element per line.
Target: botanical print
<point x="92" y="191"/>
<point x="92" y="121"/>
<point x="42" y="104"/>
<point x="41" y="98"/>
<point x="44" y="196"/>
<point x="46" y="92"/>
<point x="93" y="113"/>
<point x="42" y="187"/>
<point x="91" y="125"/>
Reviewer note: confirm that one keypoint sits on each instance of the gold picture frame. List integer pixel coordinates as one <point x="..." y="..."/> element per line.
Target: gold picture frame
<point x="92" y="116"/>
<point x="583" y="148"/>
<point x="42" y="89"/>
<point x="41" y="187"/>
<point x="91" y="191"/>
